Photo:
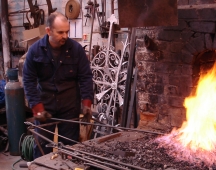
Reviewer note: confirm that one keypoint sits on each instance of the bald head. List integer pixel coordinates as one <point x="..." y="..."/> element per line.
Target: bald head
<point x="53" y="16"/>
<point x="57" y="29"/>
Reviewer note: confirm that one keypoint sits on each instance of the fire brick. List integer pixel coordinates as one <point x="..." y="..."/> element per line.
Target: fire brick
<point x="186" y="57"/>
<point x="176" y="101"/>
<point x="207" y="13"/>
<point x="208" y="41"/>
<point x="176" y="46"/>
<point x="171" y="90"/>
<point x="154" y="78"/>
<point x="174" y="69"/>
<point x="186" y="70"/>
<point x="194" y="2"/>
<point x="187" y="13"/>
<point x="155" y="88"/>
<point x="164" y="109"/>
<point x="182" y="2"/>
<point x="181" y="26"/>
<point x="166" y="35"/>
<point x="165" y="120"/>
<point x="198" y="43"/>
<point x="145" y="56"/>
<point x="188" y="47"/>
<point x="206" y="27"/>
<point x="171" y="57"/>
<point x="186" y="35"/>
<point x="153" y="99"/>
<point x="176" y="117"/>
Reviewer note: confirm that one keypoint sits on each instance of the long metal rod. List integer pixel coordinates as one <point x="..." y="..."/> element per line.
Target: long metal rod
<point x="114" y="127"/>
<point x="32" y="125"/>
<point x="100" y="157"/>
<point x="112" y="165"/>
<point x="120" y="130"/>
<point x="129" y="78"/>
<point x="133" y="91"/>
<point x="38" y="144"/>
<point x="55" y="145"/>
<point x="53" y="133"/>
<point x="84" y="159"/>
<point x="54" y="123"/>
<point x="92" y="24"/>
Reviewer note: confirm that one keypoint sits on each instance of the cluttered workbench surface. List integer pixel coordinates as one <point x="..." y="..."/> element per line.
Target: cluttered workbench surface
<point x="99" y="153"/>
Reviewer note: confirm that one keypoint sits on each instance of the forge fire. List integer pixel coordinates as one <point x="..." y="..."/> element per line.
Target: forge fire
<point x="195" y="141"/>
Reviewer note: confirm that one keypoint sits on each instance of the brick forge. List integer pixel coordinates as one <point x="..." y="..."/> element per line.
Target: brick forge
<point x="170" y="61"/>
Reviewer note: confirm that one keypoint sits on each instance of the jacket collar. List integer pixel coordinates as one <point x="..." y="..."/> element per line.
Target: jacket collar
<point x="44" y="43"/>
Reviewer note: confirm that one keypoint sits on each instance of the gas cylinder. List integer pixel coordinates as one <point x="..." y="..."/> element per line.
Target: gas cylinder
<point x="15" y="110"/>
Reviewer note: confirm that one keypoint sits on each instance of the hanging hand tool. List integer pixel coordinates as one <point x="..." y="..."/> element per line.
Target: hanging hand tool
<point x="36" y="13"/>
<point x="89" y="9"/>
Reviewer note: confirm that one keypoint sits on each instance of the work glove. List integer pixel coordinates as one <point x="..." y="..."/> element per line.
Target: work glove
<point x="42" y="116"/>
<point x="87" y="113"/>
<point x="39" y="113"/>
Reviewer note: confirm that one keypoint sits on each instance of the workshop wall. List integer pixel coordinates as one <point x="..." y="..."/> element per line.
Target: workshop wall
<point x="169" y="69"/>
<point x="18" y="19"/>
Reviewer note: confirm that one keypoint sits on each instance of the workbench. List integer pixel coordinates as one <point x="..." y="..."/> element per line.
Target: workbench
<point x="45" y="162"/>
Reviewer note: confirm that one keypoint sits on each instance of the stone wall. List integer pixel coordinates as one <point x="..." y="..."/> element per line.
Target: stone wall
<point x="166" y="67"/>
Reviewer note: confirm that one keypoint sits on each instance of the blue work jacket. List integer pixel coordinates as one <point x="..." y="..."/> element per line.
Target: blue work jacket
<point x="59" y="86"/>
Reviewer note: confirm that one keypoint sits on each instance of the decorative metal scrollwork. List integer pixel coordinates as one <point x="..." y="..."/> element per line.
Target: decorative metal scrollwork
<point x="109" y="75"/>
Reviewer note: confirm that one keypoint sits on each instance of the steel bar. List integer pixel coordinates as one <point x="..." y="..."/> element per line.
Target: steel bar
<point x="114" y="127"/>
<point x="37" y="142"/>
<point x="83" y="159"/>
<point x="32" y="125"/>
<point x="129" y="78"/>
<point x="43" y="137"/>
<point x="135" y="113"/>
<point x="92" y="24"/>
<point x="133" y="91"/>
<point x="53" y="133"/>
<point x="48" y="124"/>
<point x="55" y="145"/>
<point x="100" y="157"/>
<point x="120" y="130"/>
<point x="53" y="123"/>
<point x="108" y="164"/>
<point x="5" y="35"/>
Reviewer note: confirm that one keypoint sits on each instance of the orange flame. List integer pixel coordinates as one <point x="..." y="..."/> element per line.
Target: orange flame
<point x="195" y="141"/>
<point x="199" y="132"/>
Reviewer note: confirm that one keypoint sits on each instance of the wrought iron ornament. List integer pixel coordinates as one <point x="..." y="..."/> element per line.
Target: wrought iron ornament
<point x="109" y="75"/>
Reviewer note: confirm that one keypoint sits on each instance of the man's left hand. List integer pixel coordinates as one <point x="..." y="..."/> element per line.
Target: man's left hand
<point x="87" y="114"/>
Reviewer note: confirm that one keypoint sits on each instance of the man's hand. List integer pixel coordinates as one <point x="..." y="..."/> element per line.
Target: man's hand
<point x="87" y="114"/>
<point x="42" y="116"/>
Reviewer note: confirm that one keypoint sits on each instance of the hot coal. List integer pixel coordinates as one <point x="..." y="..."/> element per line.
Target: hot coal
<point x="148" y="154"/>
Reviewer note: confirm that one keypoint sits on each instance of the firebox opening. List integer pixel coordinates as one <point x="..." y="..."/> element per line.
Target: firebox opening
<point x="202" y="64"/>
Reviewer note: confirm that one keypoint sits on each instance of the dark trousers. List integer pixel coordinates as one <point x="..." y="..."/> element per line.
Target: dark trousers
<point x="66" y="129"/>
